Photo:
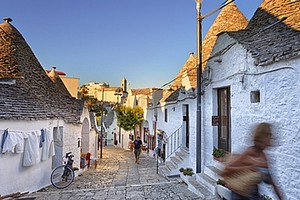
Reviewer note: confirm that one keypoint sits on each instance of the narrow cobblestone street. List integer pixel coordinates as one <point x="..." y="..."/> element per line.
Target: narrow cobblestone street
<point x="117" y="176"/>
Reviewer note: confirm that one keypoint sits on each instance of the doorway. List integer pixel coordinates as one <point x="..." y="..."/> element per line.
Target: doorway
<point x="57" y="159"/>
<point x="224" y="135"/>
<point x="186" y="127"/>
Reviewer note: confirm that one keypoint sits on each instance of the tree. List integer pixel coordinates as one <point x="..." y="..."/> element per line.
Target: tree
<point x="129" y="118"/>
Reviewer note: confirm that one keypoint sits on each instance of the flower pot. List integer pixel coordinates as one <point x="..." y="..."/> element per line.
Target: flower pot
<point x="220" y="159"/>
<point x="224" y="192"/>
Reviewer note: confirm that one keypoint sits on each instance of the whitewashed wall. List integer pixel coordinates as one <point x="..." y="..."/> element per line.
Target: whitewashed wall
<point x="111" y="130"/>
<point x="72" y="134"/>
<point x="279" y="87"/>
<point x="33" y="178"/>
<point x="90" y="140"/>
<point x="14" y="176"/>
<point x="175" y="121"/>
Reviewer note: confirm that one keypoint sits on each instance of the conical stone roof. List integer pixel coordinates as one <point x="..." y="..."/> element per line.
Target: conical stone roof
<point x="33" y="95"/>
<point x="273" y="33"/>
<point x="229" y="19"/>
<point x="188" y="67"/>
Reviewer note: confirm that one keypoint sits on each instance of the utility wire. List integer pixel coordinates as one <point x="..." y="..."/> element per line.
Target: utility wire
<point x="225" y="3"/>
<point x="227" y="48"/>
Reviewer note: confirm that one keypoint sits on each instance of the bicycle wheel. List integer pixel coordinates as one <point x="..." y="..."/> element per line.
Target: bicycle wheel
<point x="62" y="176"/>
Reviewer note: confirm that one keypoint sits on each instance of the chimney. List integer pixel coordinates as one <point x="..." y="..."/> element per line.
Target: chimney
<point x="52" y="74"/>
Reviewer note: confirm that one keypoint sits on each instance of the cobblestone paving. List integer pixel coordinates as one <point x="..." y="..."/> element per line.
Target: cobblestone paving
<point x="118" y="177"/>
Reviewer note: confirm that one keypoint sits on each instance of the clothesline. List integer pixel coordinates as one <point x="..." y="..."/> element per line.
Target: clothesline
<point x="36" y="145"/>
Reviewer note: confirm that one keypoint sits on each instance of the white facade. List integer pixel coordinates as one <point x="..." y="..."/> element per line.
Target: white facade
<point x="107" y="95"/>
<point x="176" y="121"/>
<point x="279" y="87"/>
<point x="111" y="131"/>
<point x="66" y="138"/>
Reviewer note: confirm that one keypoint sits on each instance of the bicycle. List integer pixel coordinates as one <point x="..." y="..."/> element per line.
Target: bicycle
<point x="63" y="175"/>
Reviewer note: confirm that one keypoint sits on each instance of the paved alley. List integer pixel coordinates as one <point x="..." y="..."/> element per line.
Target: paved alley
<point x="117" y="176"/>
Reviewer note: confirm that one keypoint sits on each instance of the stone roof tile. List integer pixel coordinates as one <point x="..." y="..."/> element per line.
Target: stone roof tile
<point x="273" y="32"/>
<point x="33" y="95"/>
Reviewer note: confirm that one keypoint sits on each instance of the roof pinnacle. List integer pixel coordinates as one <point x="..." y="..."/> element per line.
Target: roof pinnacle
<point x="7" y="19"/>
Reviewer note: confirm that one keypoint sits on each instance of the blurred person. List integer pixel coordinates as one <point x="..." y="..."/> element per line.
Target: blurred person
<point x="255" y="159"/>
<point x="137" y="148"/>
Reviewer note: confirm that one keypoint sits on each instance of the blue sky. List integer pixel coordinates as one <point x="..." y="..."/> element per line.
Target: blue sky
<point x="146" y="41"/>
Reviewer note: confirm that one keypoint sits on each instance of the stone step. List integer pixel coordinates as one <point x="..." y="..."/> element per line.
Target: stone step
<point x="197" y="188"/>
<point x="170" y="165"/>
<point x="185" y="150"/>
<point x="212" y="172"/>
<point x="176" y="160"/>
<point x="164" y="171"/>
<point x="218" y="165"/>
<point x="207" y="182"/>
<point x="182" y="155"/>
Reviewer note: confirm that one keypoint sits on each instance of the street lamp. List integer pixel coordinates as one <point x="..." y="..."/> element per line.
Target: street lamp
<point x="199" y="76"/>
<point x="101" y="121"/>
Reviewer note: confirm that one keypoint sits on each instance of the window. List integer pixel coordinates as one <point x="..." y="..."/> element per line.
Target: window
<point x="166" y="115"/>
<point x="255" y="96"/>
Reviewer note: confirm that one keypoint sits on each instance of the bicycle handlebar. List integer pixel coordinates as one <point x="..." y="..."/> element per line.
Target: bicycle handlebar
<point x="68" y="155"/>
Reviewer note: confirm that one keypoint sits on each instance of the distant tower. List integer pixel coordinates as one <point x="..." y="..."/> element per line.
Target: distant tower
<point x="124" y="84"/>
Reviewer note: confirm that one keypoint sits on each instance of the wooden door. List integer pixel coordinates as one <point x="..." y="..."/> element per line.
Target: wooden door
<point x="224" y="118"/>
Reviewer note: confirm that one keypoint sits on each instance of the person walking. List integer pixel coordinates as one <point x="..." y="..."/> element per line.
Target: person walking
<point x="137" y="148"/>
<point x="251" y="161"/>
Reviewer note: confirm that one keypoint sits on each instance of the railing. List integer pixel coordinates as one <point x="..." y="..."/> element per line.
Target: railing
<point x="173" y="142"/>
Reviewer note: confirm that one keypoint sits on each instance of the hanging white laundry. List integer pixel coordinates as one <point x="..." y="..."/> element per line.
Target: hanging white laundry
<point x="48" y="148"/>
<point x="14" y="142"/>
<point x="31" y="152"/>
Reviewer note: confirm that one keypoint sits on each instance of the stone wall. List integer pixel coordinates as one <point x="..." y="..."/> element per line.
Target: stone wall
<point x="278" y="85"/>
<point x="24" y="179"/>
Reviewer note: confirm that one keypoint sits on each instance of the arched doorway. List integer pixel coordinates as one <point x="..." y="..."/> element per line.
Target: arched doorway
<point x="85" y="140"/>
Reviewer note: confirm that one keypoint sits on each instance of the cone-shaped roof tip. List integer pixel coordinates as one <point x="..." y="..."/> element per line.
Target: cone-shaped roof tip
<point x="7" y="19"/>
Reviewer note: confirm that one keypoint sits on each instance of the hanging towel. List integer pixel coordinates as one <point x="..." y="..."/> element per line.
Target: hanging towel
<point x="42" y="138"/>
<point x="4" y="136"/>
<point x="48" y="148"/>
<point x="31" y="152"/>
<point x="14" y="142"/>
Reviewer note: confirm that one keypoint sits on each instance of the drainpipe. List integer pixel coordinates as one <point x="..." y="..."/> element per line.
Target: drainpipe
<point x="199" y="75"/>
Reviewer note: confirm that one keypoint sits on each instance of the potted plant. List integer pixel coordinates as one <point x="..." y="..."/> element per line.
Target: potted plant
<point x="219" y="154"/>
<point x="187" y="171"/>
<point x="223" y="191"/>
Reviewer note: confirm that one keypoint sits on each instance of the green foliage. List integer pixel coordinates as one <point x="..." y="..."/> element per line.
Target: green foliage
<point x="187" y="171"/>
<point x="129" y="118"/>
<point x="95" y="106"/>
<point x="218" y="153"/>
<point x="221" y="182"/>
